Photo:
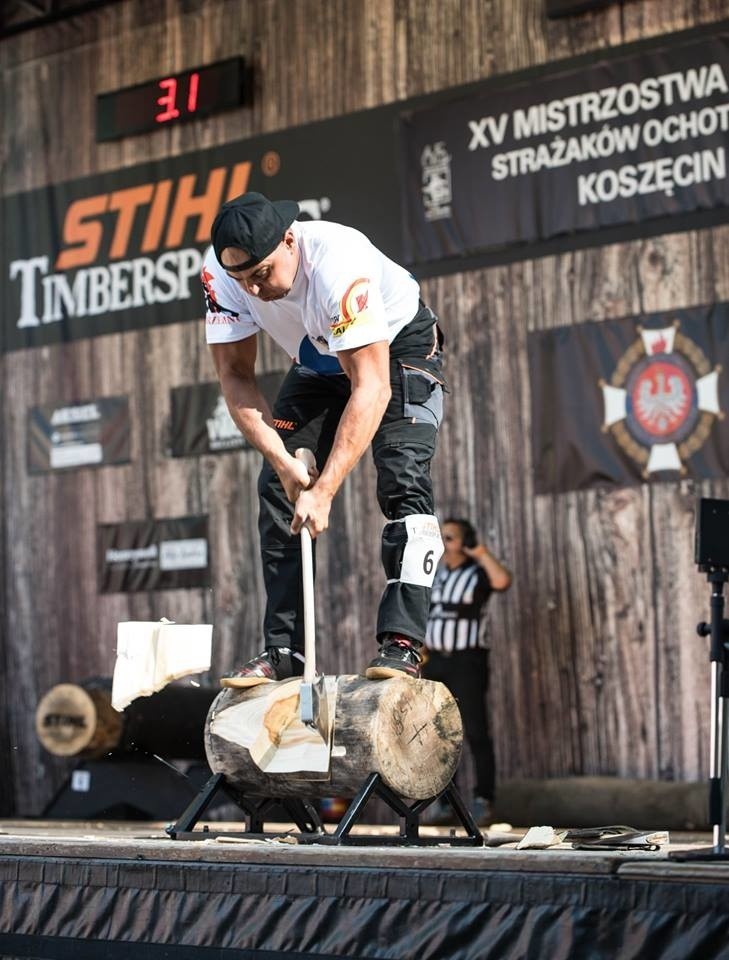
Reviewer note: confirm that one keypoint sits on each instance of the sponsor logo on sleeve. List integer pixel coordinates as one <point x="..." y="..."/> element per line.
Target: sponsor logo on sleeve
<point x="215" y="313"/>
<point x="354" y="307"/>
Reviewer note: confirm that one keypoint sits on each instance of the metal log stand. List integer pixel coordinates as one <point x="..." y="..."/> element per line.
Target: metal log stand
<point x="310" y="827"/>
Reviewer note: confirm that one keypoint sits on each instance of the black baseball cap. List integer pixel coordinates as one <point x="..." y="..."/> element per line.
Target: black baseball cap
<point x="252" y="223"/>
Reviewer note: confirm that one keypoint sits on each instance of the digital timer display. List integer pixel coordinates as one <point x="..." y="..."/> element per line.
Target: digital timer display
<point x="170" y="100"/>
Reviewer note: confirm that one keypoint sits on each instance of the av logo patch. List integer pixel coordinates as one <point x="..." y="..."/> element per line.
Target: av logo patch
<point x="353" y="307"/>
<point x="662" y="399"/>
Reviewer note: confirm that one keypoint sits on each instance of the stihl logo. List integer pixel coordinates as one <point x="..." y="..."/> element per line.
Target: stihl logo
<point x="160" y="213"/>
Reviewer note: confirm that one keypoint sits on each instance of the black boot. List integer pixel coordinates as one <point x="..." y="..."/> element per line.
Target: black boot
<point x="275" y="663"/>
<point x="397" y="655"/>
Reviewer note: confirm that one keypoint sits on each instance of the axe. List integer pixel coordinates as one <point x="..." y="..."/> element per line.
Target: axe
<point x="313" y="705"/>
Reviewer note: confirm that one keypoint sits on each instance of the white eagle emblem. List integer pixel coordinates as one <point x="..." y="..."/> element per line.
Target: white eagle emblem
<point x="662" y="403"/>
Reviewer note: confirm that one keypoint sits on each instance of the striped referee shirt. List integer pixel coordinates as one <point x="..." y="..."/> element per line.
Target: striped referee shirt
<point x="457" y="601"/>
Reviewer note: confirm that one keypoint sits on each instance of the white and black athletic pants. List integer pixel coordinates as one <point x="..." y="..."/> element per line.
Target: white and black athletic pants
<point x="307" y="410"/>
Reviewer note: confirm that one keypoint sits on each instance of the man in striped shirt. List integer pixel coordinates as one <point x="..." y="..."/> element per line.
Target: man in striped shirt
<point x="457" y="652"/>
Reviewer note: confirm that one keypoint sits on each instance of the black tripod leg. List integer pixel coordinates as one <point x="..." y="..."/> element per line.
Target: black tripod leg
<point x="717" y="797"/>
<point x="719" y="691"/>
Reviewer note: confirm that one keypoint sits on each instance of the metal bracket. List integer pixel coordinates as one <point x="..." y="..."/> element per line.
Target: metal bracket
<point x="309" y="824"/>
<point x="409" y="835"/>
<point x="301" y="812"/>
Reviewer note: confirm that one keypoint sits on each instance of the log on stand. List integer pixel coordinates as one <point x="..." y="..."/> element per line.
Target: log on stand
<point x="409" y="732"/>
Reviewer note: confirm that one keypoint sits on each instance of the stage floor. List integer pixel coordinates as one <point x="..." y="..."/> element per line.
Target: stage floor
<point x="124" y="890"/>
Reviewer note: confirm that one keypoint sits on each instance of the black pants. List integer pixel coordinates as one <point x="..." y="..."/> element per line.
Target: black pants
<point x="307" y="412"/>
<point x="466" y="674"/>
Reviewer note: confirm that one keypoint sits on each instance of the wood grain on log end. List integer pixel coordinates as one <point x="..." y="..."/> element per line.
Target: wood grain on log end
<point x="419" y="734"/>
<point x="73" y="721"/>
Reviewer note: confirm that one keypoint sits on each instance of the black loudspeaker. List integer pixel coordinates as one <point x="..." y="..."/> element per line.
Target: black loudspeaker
<point x="712" y="534"/>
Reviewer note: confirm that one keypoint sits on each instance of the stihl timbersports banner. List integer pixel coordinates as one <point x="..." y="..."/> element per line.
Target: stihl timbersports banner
<point x="153" y="555"/>
<point x="619" y="142"/>
<point x="627" y="401"/>
<point x="122" y="250"/>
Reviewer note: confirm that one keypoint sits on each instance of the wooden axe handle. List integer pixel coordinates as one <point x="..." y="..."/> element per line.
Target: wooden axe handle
<point x="307" y="458"/>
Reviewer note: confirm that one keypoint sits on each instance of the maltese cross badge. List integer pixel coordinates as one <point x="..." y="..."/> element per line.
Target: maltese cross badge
<point x="662" y="400"/>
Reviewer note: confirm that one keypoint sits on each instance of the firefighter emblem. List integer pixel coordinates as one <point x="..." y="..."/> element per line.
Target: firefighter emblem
<point x="662" y="400"/>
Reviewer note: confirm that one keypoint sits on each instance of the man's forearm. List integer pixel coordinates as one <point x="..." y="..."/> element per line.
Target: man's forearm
<point x="497" y="573"/>
<point x="252" y="416"/>
<point x="358" y="424"/>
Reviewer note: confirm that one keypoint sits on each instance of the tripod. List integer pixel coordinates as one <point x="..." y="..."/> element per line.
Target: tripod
<point x="718" y="630"/>
<point x="712" y="558"/>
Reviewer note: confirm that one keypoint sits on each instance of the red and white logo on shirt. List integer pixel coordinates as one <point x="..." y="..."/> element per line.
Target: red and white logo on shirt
<point x="353" y="307"/>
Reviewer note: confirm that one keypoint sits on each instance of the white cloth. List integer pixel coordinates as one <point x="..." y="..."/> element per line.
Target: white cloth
<point x="346" y="294"/>
<point x="151" y="654"/>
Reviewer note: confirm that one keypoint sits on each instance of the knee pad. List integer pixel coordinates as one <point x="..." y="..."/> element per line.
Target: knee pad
<point x="411" y="549"/>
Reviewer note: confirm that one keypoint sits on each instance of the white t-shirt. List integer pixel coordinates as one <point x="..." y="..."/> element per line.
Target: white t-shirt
<point x="345" y="294"/>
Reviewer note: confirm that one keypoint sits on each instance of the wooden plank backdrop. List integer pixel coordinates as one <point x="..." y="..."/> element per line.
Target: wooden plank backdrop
<point x="596" y="668"/>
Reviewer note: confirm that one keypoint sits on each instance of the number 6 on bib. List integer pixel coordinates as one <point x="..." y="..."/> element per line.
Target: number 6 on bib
<point x="423" y="549"/>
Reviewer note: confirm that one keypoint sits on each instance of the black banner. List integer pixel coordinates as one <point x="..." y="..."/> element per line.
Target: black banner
<point x="618" y="142"/>
<point x="200" y="422"/>
<point x="153" y="555"/>
<point x="122" y="250"/>
<point x="628" y="401"/>
<point x="563" y="151"/>
<point x="93" y="433"/>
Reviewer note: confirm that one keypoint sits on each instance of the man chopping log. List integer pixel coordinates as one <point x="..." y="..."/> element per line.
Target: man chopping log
<point x="367" y="369"/>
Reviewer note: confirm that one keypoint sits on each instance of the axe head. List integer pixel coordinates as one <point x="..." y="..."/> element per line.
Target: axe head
<point x="314" y="707"/>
